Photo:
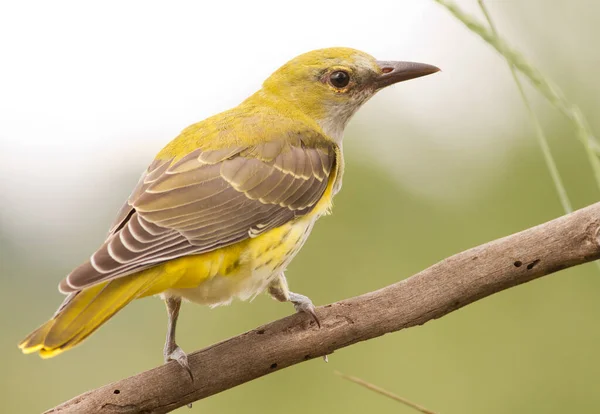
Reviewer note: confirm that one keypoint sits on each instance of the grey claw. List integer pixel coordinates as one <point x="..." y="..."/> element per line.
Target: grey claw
<point x="178" y="355"/>
<point x="304" y="304"/>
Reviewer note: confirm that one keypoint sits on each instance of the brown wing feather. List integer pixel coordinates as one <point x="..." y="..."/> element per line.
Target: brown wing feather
<point x="207" y="200"/>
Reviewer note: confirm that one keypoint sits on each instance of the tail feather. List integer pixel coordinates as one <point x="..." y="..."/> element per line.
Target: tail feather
<point x="35" y="340"/>
<point x="84" y="312"/>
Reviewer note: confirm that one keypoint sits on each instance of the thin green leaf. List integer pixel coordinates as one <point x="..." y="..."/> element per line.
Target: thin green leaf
<point x="541" y="137"/>
<point x="538" y="80"/>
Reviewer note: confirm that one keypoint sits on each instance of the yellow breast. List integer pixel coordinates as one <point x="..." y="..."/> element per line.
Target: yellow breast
<point x="243" y="269"/>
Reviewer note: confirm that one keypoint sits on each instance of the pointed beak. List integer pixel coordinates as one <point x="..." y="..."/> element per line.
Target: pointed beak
<point x="394" y="72"/>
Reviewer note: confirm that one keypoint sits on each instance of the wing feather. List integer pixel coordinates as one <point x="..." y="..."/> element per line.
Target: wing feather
<point x="207" y="200"/>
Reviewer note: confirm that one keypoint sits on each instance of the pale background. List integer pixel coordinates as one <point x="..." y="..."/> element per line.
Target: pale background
<point x="89" y="92"/>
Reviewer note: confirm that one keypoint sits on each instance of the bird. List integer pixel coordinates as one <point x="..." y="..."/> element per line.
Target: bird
<point x="226" y="205"/>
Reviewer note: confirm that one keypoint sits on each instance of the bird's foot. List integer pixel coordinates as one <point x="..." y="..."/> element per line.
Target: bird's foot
<point x="304" y="304"/>
<point x="175" y="353"/>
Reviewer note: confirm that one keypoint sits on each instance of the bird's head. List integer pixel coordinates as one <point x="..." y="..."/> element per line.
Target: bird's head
<point x="329" y="85"/>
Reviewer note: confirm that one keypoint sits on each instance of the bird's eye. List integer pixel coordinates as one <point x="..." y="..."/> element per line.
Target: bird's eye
<point x="339" y="79"/>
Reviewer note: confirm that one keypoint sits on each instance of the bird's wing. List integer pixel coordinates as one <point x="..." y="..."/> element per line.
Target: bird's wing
<point x="207" y="200"/>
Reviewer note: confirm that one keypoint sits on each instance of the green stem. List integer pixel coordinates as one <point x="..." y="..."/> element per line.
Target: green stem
<point x="541" y="137"/>
<point x="539" y="81"/>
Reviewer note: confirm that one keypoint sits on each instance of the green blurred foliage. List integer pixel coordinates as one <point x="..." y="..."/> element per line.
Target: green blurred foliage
<point x="531" y="349"/>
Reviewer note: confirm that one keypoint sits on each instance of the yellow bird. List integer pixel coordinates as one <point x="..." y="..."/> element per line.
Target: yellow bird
<point x="226" y="205"/>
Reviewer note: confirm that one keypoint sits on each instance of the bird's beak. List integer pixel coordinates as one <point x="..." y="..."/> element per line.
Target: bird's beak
<point x="394" y="72"/>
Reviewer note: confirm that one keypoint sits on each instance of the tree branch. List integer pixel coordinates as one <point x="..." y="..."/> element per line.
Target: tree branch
<point x="432" y="293"/>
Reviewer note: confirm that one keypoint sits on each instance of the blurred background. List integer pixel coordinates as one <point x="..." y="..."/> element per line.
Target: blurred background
<point x="89" y="92"/>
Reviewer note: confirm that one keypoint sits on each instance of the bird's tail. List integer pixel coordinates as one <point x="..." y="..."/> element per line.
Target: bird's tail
<point x="85" y="311"/>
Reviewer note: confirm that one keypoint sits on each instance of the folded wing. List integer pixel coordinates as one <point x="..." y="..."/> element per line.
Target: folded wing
<point x="207" y="200"/>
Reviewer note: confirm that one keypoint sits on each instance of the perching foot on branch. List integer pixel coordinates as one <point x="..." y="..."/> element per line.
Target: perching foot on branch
<point x="279" y="290"/>
<point x="172" y="351"/>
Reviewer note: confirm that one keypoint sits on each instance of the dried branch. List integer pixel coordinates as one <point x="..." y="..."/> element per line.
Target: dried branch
<point x="436" y="291"/>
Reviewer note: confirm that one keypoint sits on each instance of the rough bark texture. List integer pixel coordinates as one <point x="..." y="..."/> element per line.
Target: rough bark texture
<point x="436" y="291"/>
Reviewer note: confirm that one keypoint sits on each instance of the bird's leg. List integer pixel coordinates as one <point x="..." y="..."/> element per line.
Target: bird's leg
<point x="279" y="290"/>
<point x="172" y="351"/>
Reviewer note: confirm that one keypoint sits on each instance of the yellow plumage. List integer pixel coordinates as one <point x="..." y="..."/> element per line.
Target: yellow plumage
<point x="212" y="278"/>
<point x="227" y="204"/>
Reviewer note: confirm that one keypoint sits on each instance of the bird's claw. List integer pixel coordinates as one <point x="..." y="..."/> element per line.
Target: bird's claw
<point x="304" y="304"/>
<point x="178" y="355"/>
